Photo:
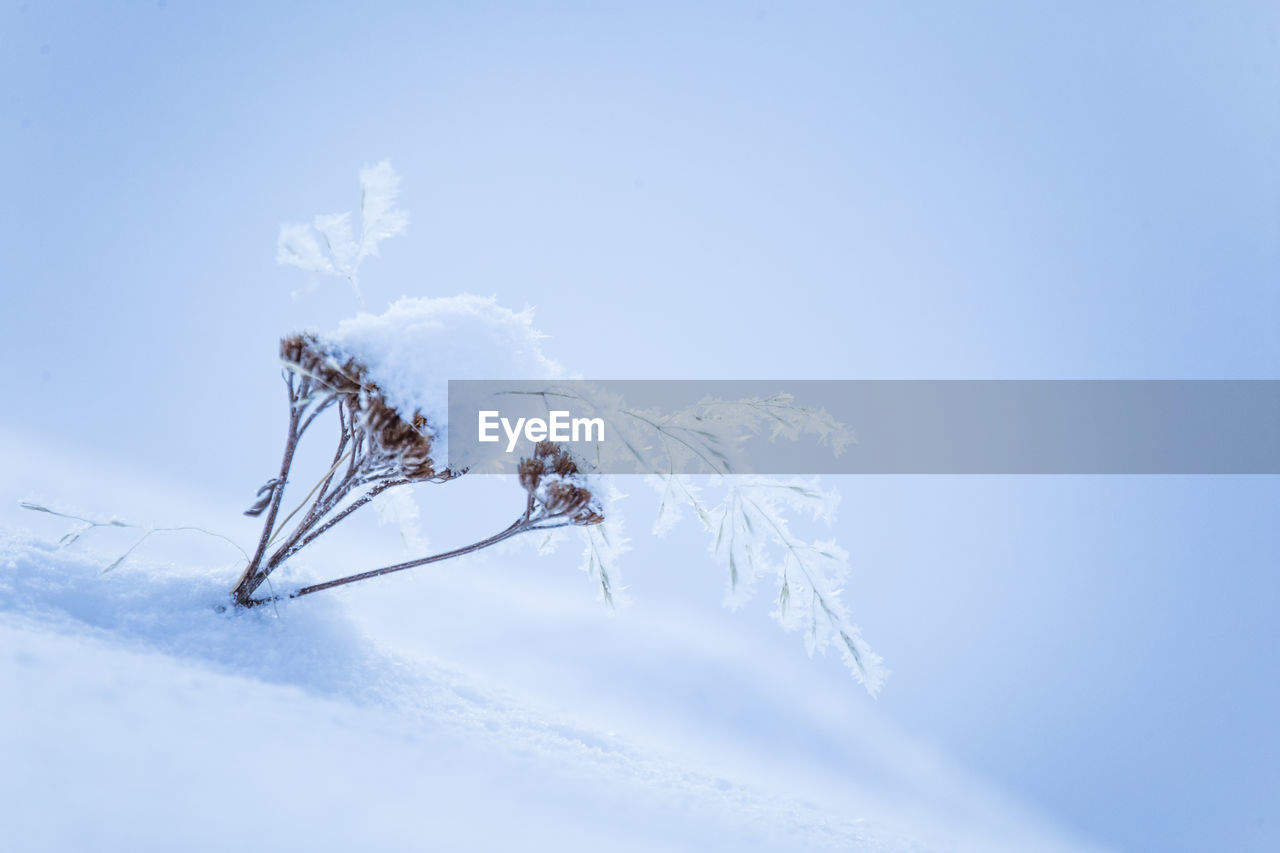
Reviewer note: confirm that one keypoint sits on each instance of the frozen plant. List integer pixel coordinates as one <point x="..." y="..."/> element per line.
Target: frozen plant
<point x="385" y="379"/>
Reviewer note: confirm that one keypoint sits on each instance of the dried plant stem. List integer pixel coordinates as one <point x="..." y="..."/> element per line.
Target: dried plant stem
<point x="350" y="508"/>
<point x="322" y="502"/>
<point x="377" y="450"/>
<point x="521" y="525"/>
<point x="253" y="575"/>
<point x="325" y="500"/>
<point x="90" y="524"/>
<point x="321" y="484"/>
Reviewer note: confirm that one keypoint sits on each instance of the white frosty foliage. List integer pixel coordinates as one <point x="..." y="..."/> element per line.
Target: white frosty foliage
<point x="749" y="523"/>
<point x="708" y="437"/>
<point x="298" y="246"/>
<point x="396" y="507"/>
<point x="715" y="422"/>
<point x="675" y="494"/>
<point x="752" y="537"/>
<point x="329" y="246"/>
<point x="379" y="217"/>
<point x="605" y="544"/>
<point x="416" y="346"/>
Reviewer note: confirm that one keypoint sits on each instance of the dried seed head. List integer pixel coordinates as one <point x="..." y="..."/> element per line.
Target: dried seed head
<point x="402" y="445"/>
<point x="530" y="471"/>
<point x="555" y="483"/>
<point x="395" y="442"/>
<point x="291" y="347"/>
<point x="563" y="464"/>
<point x="555" y="458"/>
<point x="310" y="358"/>
<point x="588" y="517"/>
<point x="565" y="498"/>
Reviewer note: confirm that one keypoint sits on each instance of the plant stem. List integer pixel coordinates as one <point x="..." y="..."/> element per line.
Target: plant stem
<point x="519" y="526"/>
<point x="252" y="577"/>
<point x="350" y="508"/>
<point x="323" y="483"/>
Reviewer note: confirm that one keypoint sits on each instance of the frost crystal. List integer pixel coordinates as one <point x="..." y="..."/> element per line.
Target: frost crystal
<point x="328" y="245"/>
<point x="751" y="537"/>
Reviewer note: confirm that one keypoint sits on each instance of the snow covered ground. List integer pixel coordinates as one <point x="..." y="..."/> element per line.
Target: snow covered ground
<point x="137" y="716"/>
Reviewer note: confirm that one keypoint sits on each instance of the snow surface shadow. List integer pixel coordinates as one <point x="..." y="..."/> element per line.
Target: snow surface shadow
<point x="182" y="613"/>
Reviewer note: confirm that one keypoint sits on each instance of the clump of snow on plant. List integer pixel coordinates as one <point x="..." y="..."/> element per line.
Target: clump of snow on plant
<point x="416" y="346"/>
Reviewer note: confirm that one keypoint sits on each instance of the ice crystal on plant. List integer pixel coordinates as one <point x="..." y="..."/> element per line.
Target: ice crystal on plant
<point x="752" y="538"/>
<point x="328" y="245"/>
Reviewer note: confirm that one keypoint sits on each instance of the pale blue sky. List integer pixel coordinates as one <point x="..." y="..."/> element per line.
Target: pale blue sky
<point x="856" y="190"/>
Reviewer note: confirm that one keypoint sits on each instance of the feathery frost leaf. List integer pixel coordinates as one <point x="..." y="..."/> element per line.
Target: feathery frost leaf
<point x="329" y="246"/>
<point x="752" y="537"/>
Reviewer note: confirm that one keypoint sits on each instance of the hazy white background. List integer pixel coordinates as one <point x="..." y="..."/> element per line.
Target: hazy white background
<point x="817" y="191"/>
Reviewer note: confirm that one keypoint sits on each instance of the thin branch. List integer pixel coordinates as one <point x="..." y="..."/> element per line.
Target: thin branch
<point x="250" y="580"/>
<point x="350" y="508"/>
<point x="337" y="454"/>
<point x="322" y="482"/>
<point x="518" y="526"/>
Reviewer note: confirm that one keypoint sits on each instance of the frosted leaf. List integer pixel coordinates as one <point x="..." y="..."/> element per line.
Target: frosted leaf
<point x="329" y="245"/>
<point x="548" y="542"/>
<point x="397" y="508"/>
<point x="299" y="246"/>
<point x="709" y="437"/>
<point x="605" y="543"/>
<point x="379" y="218"/>
<point x="747" y="516"/>
<point x="675" y="493"/>
<point x="752" y="538"/>
<point x="335" y="231"/>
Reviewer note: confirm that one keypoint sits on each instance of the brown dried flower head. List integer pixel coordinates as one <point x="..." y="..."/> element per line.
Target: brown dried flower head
<point x="309" y="358"/>
<point x="555" y="484"/>
<point x="530" y="472"/>
<point x="401" y="445"/>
